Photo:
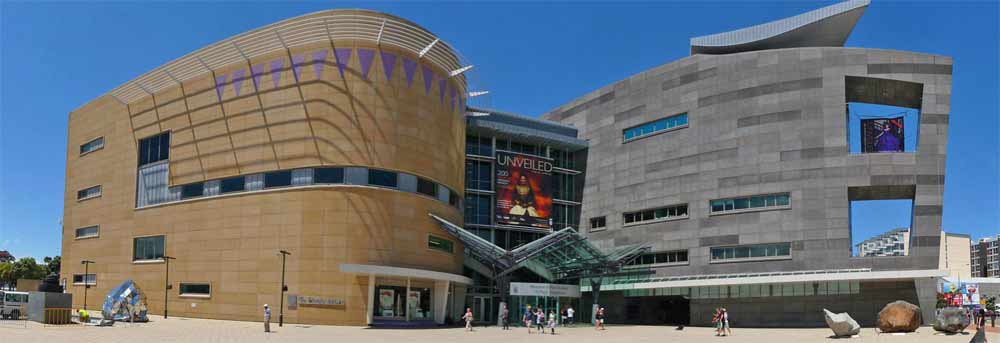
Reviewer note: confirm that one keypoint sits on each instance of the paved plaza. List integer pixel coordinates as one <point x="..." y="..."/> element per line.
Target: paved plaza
<point x="203" y="330"/>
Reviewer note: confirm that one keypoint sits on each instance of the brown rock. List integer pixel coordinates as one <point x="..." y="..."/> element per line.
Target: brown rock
<point x="899" y="316"/>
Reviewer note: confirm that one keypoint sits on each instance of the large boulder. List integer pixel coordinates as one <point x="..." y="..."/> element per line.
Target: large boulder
<point x="899" y="316"/>
<point x="952" y="320"/>
<point x="841" y="323"/>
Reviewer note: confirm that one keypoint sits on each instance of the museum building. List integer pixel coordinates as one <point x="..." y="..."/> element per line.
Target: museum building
<point x="723" y="179"/>
<point x="738" y="165"/>
<point x="331" y="136"/>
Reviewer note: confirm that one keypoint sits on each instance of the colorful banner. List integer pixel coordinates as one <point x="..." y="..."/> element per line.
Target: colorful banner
<point x="524" y="195"/>
<point x="387" y="301"/>
<point x="961" y="294"/>
<point x="882" y="135"/>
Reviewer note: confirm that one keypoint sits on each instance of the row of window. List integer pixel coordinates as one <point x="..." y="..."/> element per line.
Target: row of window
<point x="656" y="214"/>
<point x="656" y="126"/>
<point x="750" y="203"/>
<point x="754" y="291"/>
<point x="719" y="206"/>
<point x="312" y="176"/>
<point x="93" y="145"/>
<point x="483" y="146"/>
<point x="750" y="252"/>
<point x="677" y="256"/>
<point x="186" y="288"/>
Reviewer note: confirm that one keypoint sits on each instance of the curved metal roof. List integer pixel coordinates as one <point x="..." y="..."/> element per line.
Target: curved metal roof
<point x="353" y="24"/>
<point x="827" y="26"/>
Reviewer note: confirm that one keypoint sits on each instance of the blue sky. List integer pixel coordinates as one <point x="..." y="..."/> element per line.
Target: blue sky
<point x="533" y="57"/>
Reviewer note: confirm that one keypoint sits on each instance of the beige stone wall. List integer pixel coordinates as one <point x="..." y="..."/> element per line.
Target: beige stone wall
<point x="956" y="256"/>
<point x="232" y="241"/>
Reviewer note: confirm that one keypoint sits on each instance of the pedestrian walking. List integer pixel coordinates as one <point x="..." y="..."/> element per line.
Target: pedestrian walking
<point x="981" y="320"/>
<point x="717" y="321"/>
<point x="267" y="318"/>
<point x="599" y="318"/>
<point x="569" y="315"/>
<point x="505" y="317"/>
<point x="726" y="331"/>
<point x="526" y="318"/>
<point x="468" y="319"/>
<point x="562" y="316"/>
<point x="540" y="320"/>
<point x="552" y="321"/>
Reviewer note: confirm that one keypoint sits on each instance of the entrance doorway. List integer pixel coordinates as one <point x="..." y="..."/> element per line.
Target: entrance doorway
<point x="482" y="309"/>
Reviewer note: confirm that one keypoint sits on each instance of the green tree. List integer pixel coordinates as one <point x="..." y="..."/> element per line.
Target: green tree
<point x="6" y="274"/>
<point x="27" y="268"/>
<point x="53" y="264"/>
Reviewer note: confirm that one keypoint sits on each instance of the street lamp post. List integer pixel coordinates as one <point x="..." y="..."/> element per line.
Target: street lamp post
<point x="86" y="282"/>
<point x="281" y="300"/>
<point x="166" y="284"/>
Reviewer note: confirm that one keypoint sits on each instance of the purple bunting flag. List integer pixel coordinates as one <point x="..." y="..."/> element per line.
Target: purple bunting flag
<point x="410" y="69"/>
<point x="256" y="72"/>
<point x="220" y="83"/>
<point x="442" y="83"/>
<point x="238" y="80"/>
<point x="297" y="62"/>
<point x="276" y="66"/>
<point x="343" y="56"/>
<point x="428" y="79"/>
<point x="319" y="59"/>
<point x="365" y="56"/>
<point x="388" y="64"/>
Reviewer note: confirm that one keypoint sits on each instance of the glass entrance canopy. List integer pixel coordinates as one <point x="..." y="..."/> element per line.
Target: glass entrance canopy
<point x="563" y="254"/>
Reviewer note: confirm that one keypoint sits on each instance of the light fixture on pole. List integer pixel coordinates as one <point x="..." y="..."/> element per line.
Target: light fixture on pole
<point x="86" y="281"/>
<point x="284" y="288"/>
<point x="166" y="283"/>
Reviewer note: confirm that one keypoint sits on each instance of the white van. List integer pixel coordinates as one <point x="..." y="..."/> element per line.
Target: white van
<point x="12" y="304"/>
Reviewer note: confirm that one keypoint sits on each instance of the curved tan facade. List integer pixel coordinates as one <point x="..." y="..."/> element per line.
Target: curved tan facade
<point x="355" y="103"/>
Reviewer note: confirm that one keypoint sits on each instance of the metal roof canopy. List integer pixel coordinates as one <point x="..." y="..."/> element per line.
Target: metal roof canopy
<point x="565" y="254"/>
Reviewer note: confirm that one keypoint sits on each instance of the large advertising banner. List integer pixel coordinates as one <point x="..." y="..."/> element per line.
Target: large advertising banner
<point x="524" y="196"/>
<point x="882" y="135"/>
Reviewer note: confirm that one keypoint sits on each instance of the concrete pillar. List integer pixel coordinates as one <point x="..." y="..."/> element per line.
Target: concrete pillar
<point x="440" y="299"/>
<point x="371" y="299"/>
<point x="927" y="297"/>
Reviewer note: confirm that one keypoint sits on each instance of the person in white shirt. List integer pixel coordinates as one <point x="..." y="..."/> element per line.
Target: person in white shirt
<point x="267" y="318"/>
<point x="569" y="315"/>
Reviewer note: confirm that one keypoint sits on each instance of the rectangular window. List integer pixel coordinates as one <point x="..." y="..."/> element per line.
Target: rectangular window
<point x="751" y="252"/>
<point x="193" y="190"/>
<point x="662" y="125"/>
<point x="148" y="248"/>
<point x="479" y="146"/>
<point x="453" y="199"/>
<point x="440" y="244"/>
<point x="656" y="214"/>
<point x="478" y="175"/>
<point x="328" y="175"/>
<point x="154" y="149"/>
<point x="84" y="279"/>
<point x="88" y="193"/>
<point x="233" y="184"/>
<point x="87" y="232"/>
<point x="597" y="223"/>
<point x="382" y="178"/>
<point x="477" y="209"/>
<point x="426" y="187"/>
<point x="196" y="289"/>
<point x="750" y="203"/>
<point x="278" y="179"/>
<point x="678" y="256"/>
<point x="96" y="144"/>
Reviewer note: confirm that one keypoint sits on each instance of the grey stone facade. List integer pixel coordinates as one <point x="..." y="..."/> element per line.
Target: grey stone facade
<point x="760" y="122"/>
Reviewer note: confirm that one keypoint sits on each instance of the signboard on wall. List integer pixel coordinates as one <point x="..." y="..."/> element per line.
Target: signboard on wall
<point x="544" y="290"/>
<point x="882" y="135"/>
<point x="304" y="300"/>
<point x="961" y="294"/>
<point x="523" y="188"/>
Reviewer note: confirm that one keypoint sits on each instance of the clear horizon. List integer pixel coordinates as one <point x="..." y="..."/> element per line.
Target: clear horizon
<point x="533" y="57"/>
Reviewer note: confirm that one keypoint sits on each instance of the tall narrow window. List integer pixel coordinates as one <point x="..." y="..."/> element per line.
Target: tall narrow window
<point x="154" y="149"/>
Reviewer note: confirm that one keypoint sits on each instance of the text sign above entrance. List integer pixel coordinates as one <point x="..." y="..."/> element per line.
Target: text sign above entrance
<point x="544" y="289"/>
<point x="294" y="301"/>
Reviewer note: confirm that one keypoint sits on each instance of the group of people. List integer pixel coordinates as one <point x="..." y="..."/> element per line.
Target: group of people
<point x="538" y="318"/>
<point x="721" y="320"/>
